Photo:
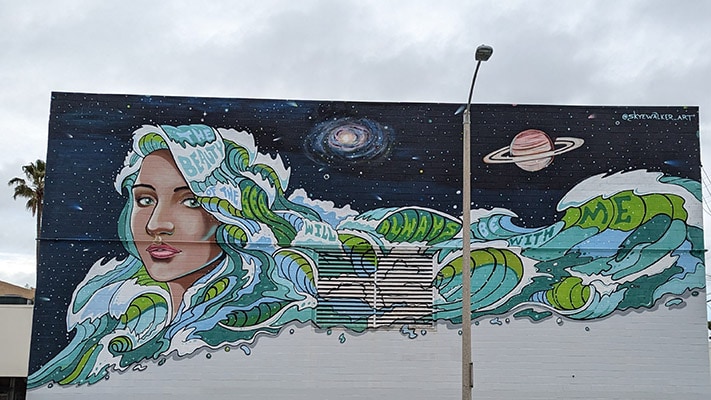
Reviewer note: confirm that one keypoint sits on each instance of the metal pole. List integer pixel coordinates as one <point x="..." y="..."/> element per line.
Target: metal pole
<point x="467" y="365"/>
<point x="466" y="265"/>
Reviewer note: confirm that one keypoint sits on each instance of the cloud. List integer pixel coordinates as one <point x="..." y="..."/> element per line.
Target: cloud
<point x="18" y="235"/>
<point x="18" y="269"/>
<point x="634" y="52"/>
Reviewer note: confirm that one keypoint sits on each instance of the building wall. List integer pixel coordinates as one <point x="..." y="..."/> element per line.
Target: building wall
<point x="302" y="249"/>
<point x="15" y="334"/>
<point x="512" y="361"/>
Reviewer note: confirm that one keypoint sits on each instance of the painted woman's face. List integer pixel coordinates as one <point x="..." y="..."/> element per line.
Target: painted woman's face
<point x="174" y="235"/>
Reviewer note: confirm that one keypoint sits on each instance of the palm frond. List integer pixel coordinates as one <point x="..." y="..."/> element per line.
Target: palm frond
<point x="31" y="188"/>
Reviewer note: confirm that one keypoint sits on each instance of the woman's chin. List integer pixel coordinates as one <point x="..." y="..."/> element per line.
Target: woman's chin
<point x="169" y="273"/>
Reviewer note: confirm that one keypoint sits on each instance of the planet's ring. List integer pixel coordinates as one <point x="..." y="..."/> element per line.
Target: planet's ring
<point x="501" y="157"/>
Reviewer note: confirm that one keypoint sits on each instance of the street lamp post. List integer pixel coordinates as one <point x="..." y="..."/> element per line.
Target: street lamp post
<point x="483" y="53"/>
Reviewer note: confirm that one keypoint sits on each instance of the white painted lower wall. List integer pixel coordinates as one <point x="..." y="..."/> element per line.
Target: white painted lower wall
<point x="649" y="355"/>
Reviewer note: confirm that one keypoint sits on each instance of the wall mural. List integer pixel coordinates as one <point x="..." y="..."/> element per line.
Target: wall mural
<point x="231" y="219"/>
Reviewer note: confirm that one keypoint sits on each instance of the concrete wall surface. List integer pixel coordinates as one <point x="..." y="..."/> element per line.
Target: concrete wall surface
<point x="637" y="356"/>
<point x="15" y="334"/>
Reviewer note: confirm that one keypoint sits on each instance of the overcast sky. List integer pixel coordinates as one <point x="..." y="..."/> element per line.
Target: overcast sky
<point x="601" y="52"/>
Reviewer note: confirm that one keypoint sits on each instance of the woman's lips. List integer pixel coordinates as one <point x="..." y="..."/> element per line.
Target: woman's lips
<point x="162" y="251"/>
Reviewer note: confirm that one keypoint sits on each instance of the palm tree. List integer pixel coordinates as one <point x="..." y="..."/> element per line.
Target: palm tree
<point x="32" y="189"/>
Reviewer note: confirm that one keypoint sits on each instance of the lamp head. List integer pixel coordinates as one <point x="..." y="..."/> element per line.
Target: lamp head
<point x="483" y="52"/>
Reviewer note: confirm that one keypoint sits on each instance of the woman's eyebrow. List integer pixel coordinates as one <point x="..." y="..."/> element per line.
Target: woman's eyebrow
<point x="142" y="185"/>
<point x="180" y="188"/>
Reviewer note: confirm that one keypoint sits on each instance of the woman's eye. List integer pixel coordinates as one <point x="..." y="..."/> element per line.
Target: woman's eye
<point x="191" y="203"/>
<point x="145" y="201"/>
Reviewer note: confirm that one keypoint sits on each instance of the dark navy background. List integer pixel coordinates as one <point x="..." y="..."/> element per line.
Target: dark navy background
<point x="89" y="135"/>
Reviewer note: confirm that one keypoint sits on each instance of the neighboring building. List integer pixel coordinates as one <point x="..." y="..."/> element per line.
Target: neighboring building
<point x="15" y="333"/>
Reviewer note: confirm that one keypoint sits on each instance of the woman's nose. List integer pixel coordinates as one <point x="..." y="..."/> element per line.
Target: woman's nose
<point x="160" y="222"/>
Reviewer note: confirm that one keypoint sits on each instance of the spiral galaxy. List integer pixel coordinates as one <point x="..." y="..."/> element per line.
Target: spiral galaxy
<point x="348" y="141"/>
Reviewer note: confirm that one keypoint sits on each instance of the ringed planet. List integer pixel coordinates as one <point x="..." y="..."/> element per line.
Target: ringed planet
<point x="532" y="150"/>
